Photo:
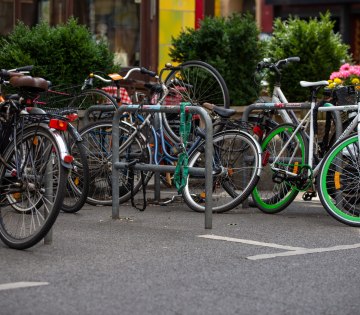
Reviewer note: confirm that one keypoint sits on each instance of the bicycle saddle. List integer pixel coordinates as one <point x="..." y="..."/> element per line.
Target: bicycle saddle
<point x="221" y="111"/>
<point x="317" y="83"/>
<point x="29" y="83"/>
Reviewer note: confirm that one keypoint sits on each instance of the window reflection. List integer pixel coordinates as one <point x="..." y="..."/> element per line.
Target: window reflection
<point x="118" y="23"/>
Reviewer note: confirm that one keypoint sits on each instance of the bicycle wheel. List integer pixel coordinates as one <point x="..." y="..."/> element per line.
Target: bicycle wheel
<point x="32" y="187"/>
<point x="338" y="182"/>
<point x="196" y="82"/>
<point x="97" y="139"/>
<point x="275" y="190"/>
<point x="78" y="183"/>
<point x="236" y="170"/>
<point x="92" y="98"/>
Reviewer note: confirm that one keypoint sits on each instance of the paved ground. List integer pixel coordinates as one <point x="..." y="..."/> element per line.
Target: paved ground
<point x="163" y="261"/>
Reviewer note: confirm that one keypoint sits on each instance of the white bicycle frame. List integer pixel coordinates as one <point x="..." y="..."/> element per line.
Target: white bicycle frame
<point x="303" y="124"/>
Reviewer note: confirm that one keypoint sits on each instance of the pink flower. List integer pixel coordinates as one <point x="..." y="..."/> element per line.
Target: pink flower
<point x="344" y="74"/>
<point x="345" y="67"/>
<point x="334" y="75"/>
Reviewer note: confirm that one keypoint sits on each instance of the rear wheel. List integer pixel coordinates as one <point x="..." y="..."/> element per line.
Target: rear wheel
<point x="78" y="184"/>
<point x="97" y="139"/>
<point x="236" y="169"/>
<point x="196" y="82"/>
<point x="275" y="191"/>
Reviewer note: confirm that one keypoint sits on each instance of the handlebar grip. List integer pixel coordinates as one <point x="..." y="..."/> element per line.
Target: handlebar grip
<point x="265" y="63"/>
<point x="148" y="72"/>
<point x="293" y="59"/>
<point x="25" y="68"/>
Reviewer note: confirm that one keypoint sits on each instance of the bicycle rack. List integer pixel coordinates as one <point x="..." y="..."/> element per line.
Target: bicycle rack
<point x="283" y="106"/>
<point x="117" y="165"/>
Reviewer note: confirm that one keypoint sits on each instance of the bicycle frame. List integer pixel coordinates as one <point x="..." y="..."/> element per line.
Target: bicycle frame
<point x="309" y="119"/>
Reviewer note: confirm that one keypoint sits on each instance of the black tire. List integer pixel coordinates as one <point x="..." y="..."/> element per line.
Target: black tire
<point x="338" y="181"/>
<point x="32" y="188"/>
<point x="92" y="98"/>
<point x="196" y="82"/>
<point x="97" y="139"/>
<point x="270" y="196"/>
<point x="236" y="169"/>
<point x="78" y="180"/>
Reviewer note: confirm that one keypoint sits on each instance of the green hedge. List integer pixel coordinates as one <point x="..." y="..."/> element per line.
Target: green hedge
<point x="64" y="54"/>
<point x="321" y="52"/>
<point x="231" y="45"/>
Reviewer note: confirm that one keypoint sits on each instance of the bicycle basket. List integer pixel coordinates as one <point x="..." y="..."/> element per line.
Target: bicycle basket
<point x="345" y="95"/>
<point x="58" y="96"/>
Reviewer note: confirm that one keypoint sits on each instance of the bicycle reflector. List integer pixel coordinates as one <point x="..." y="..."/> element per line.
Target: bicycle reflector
<point x="72" y="117"/>
<point x="68" y="158"/>
<point x="58" y="124"/>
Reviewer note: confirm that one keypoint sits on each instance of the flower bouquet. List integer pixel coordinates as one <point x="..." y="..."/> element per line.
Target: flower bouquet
<point x="345" y="83"/>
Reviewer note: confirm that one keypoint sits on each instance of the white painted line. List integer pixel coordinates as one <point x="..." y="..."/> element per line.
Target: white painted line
<point x="250" y="242"/>
<point x="304" y="251"/>
<point x="16" y="285"/>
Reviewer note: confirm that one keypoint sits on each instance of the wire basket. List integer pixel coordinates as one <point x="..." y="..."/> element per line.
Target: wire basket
<point x="58" y="97"/>
<point x="346" y="95"/>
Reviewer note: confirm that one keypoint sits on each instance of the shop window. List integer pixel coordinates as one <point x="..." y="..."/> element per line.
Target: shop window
<point x="6" y="17"/>
<point x="118" y="22"/>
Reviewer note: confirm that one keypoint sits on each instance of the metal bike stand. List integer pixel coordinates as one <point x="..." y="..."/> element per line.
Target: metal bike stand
<point x="48" y="192"/>
<point x="207" y="170"/>
<point x="283" y="106"/>
<point x="96" y="108"/>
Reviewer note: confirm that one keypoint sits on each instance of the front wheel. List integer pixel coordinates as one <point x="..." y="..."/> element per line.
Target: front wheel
<point x="32" y="187"/>
<point x="196" y="82"/>
<point x="97" y="140"/>
<point x="236" y="170"/>
<point x="339" y="181"/>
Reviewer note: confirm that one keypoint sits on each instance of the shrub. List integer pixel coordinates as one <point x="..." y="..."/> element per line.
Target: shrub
<point x="64" y="54"/>
<point x="231" y="45"/>
<point x="321" y="52"/>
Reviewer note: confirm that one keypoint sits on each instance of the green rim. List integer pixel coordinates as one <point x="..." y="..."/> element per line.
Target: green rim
<point x="325" y="194"/>
<point x="293" y="190"/>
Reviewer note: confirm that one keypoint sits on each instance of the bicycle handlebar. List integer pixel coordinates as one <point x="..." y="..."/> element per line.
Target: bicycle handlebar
<point x="276" y="66"/>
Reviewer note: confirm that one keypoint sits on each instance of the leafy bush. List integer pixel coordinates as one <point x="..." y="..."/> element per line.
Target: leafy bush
<point x="231" y="45"/>
<point x="321" y="52"/>
<point x="64" y="54"/>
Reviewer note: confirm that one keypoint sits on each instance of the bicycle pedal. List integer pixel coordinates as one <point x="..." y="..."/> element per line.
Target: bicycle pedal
<point x="308" y="195"/>
<point x="278" y="177"/>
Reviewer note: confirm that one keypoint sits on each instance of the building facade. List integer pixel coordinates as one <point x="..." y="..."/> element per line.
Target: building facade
<point x="139" y="31"/>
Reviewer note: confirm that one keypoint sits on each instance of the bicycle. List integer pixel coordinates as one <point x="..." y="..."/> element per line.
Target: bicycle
<point x="267" y="119"/>
<point x="99" y="133"/>
<point x="160" y="92"/>
<point x="296" y="165"/>
<point x="192" y="81"/>
<point x="34" y="162"/>
<point x="77" y="188"/>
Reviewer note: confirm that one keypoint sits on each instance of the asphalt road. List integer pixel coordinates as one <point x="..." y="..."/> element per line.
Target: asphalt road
<point x="163" y="261"/>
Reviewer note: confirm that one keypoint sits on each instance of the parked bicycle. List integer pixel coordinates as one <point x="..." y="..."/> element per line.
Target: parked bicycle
<point x="34" y="163"/>
<point x="295" y="164"/>
<point x="139" y="142"/>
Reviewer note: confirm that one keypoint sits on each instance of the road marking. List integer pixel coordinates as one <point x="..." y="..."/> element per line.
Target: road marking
<point x="23" y="284"/>
<point x="291" y="251"/>
<point x="250" y="242"/>
<point x="304" y="251"/>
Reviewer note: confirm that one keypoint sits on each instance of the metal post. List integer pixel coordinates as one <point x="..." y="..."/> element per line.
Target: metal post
<point x="49" y="190"/>
<point x="157" y="174"/>
<point x="208" y="157"/>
